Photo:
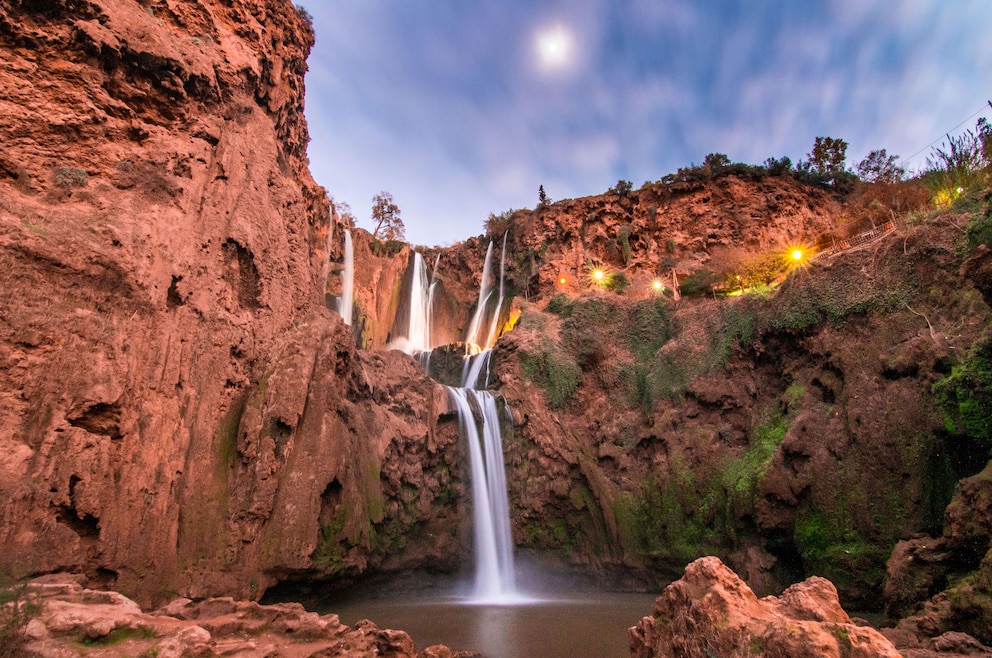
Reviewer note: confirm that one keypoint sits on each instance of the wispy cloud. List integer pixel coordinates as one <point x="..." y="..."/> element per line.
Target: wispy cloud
<point x="447" y="107"/>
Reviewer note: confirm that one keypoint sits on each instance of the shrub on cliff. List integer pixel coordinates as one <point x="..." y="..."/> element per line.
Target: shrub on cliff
<point x="963" y="162"/>
<point x="17" y="608"/>
<point x="554" y="371"/>
<point x="497" y="225"/>
<point x="305" y="15"/>
<point x="966" y="398"/>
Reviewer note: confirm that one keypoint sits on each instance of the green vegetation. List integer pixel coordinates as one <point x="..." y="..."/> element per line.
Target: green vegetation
<point x="331" y="550"/>
<point x="648" y="328"/>
<point x="966" y="399"/>
<point x="387" y="248"/>
<point x="961" y="164"/>
<point x="832" y="547"/>
<point x="742" y="475"/>
<point x="17" y="608"/>
<point x="497" y="225"/>
<point x="69" y="178"/>
<point x="227" y="433"/>
<point x="617" y="282"/>
<point x="738" y="326"/>
<point x="699" y="282"/>
<point x="980" y="230"/>
<point x="692" y="510"/>
<point x="623" y="240"/>
<point x="971" y="604"/>
<point x="554" y="371"/>
<point x="118" y="636"/>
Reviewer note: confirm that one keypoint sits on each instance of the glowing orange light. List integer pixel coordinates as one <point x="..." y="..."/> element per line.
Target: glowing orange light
<point x="598" y="274"/>
<point x="797" y="254"/>
<point x="562" y="281"/>
<point x="657" y="285"/>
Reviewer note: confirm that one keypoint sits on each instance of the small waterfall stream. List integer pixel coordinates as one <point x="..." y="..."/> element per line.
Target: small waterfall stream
<point x="347" y="301"/>
<point x="416" y="340"/>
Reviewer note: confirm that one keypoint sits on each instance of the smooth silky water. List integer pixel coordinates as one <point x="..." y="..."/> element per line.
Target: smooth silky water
<point x="498" y="618"/>
<point x="583" y="625"/>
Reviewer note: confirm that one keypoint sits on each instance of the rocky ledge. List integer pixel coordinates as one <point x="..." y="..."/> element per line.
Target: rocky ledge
<point x="712" y="612"/>
<point x="74" y="621"/>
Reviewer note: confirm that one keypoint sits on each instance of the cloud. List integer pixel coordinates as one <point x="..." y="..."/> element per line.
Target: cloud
<point x="445" y="106"/>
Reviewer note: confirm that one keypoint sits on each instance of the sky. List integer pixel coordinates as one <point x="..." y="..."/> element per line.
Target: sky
<point x="462" y="109"/>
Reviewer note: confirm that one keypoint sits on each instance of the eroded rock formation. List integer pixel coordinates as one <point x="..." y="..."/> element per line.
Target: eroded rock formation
<point x="712" y="612"/>
<point x="70" y="614"/>
<point x="181" y="414"/>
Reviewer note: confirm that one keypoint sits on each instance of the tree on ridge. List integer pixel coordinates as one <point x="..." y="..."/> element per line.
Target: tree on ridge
<point x="386" y="215"/>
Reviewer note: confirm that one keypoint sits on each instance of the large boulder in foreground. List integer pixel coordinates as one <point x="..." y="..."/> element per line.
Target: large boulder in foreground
<point x="712" y="612"/>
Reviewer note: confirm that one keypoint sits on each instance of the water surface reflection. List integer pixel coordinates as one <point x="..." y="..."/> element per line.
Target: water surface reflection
<point x="586" y="625"/>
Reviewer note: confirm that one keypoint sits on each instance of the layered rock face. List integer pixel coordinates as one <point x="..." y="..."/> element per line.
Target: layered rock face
<point x="180" y="413"/>
<point x="70" y="615"/>
<point x="790" y="433"/>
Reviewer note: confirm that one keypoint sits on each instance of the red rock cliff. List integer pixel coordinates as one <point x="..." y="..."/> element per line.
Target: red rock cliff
<point x="177" y="406"/>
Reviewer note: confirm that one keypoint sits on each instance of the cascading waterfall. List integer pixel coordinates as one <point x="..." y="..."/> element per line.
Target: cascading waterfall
<point x="347" y="300"/>
<point x="417" y="340"/>
<point x="494" y="325"/>
<point x="473" y="335"/>
<point x="479" y="423"/>
<point x="494" y="568"/>
<point x="325" y="271"/>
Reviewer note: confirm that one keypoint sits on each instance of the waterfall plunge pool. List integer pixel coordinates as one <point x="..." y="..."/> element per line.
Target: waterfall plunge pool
<point x="580" y="625"/>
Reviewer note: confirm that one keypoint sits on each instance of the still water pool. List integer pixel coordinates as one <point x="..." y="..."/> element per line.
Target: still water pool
<point x="585" y="625"/>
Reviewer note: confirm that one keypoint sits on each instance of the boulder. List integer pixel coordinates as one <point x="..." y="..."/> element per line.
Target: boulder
<point x="711" y="613"/>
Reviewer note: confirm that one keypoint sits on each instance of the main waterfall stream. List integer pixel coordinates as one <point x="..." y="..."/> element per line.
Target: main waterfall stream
<point x="494" y="618"/>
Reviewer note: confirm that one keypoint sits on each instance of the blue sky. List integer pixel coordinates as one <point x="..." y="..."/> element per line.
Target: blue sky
<point x="459" y="109"/>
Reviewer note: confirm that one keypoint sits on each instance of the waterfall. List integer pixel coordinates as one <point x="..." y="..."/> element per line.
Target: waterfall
<point x="418" y="331"/>
<point x="494" y="325"/>
<point x="347" y="300"/>
<point x="478" y="422"/>
<point x="485" y="290"/>
<point x="494" y="570"/>
<point x="325" y="271"/>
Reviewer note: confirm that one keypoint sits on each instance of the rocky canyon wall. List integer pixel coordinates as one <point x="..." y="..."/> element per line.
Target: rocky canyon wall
<point x="180" y="413"/>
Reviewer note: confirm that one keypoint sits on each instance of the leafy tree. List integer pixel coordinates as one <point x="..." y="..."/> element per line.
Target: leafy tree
<point x="343" y="211"/>
<point x="778" y="167"/>
<point x="542" y="196"/>
<point x="880" y="167"/>
<point x="386" y="215"/>
<point x="827" y="157"/>
<point x="716" y="161"/>
<point x="623" y="187"/>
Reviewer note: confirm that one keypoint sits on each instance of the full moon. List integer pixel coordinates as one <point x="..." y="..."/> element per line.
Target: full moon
<point x="554" y="47"/>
